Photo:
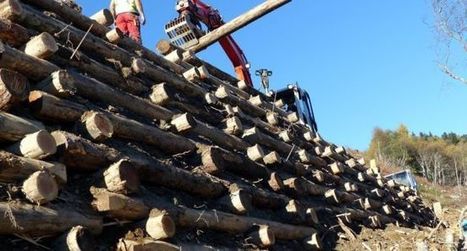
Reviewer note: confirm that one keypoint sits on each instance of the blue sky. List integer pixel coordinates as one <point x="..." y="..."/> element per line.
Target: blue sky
<point x="365" y="63"/>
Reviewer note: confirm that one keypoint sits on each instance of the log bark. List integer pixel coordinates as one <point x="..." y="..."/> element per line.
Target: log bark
<point x="238" y="23"/>
<point x="262" y="198"/>
<point x="118" y="206"/>
<point x="82" y="154"/>
<point x="224" y="95"/>
<point x="160" y="225"/>
<point x="122" y="177"/>
<point x="50" y="108"/>
<point x="77" y="238"/>
<point x="21" y="218"/>
<point x="96" y="126"/>
<point x="186" y="122"/>
<point x="37" y="145"/>
<point x="40" y="188"/>
<point x="15" y="168"/>
<point x="14" y="128"/>
<point x="133" y="130"/>
<point x="32" y="67"/>
<point x="59" y="84"/>
<point x="41" y="46"/>
<point x="14" y="88"/>
<point x="216" y="160"/>
<point x="255" y="136"/>
<point x="95" y="90"/>
<point x="13" y="34"/>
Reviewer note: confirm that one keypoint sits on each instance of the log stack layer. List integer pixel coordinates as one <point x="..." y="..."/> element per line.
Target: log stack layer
<point x="107" y="143"/>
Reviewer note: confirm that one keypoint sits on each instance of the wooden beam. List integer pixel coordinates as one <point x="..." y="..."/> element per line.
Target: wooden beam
<point x="238" y="23"/>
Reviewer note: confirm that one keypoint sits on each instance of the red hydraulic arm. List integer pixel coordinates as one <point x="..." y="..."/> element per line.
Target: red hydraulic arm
<point x="212" y="19"/>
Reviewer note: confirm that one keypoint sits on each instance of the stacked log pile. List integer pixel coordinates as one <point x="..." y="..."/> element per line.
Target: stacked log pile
<point x="106" y="143"/>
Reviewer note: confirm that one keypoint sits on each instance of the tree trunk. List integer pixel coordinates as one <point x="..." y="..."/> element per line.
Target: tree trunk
<point x="118" y="206"/>
<point x="51" y="108"/>
<point x="15" y="168"/>
<point x="14" y="88"/>
<point x="96" y="126"/>
<point x="39" y="220"/>
<point x="13" y="34"/>
<point x="59" y="84"/>
<point x="103" y="17"/>
<point x="160" y="225"/>
<point x="122" y="177"/>
<point x="13" y="128"/>
<point x="77" y="239"/>
<point x="41" y="46"/>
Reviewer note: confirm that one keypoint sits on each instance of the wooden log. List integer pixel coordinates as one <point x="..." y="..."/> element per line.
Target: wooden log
<point x="262" y="236"/>
<point x="122" y="177"/>
<point x="237" y="202"/>
<point x="295" y="211"/>
<point x="238" y="23"/>
<point x="224" y="95"/>
<point x="40" y="188"/>
<point x="160" y="225"/>
<point x="96" y="126"/>
<point x="255" y="153"/>
<point x="185" y="122"/>
<point x="295" y="185"/>
<point x="77" y="238"/>
<point x="272" y="158"/>
<point x="312" y="216"/>
<point x="312" y="242"/>
<point x="96" y="90"/>
<point x="41" y="46"/>
<point x="50" y="108"/>
<point x="164" y="95"/>
<point x="233" y="126"/>
<point x="37" y="145"/>
<point x="114" y="36"/>
<point x="13" y="34"/>
<point x="120" y="78"/>
<point x="14" y="88"/>
<point x="262" y="198"/>
<point x="39" y="220"/>
<point x="216" y="160"/>
<point x="352" y="163"/>
<point x="117" y="205"/>
<point x="32" y="67"/>
<point x="14" y="128"/>
<point x="146" y="244"/>
<point x="275" y="182"/>
<point x="81" y="154"/>
<point x="156" y="172"/>
<point x="307" y="158"/>
<point x="15" y="168"/>
<point x="133" y="130"/>
<point x="59" y="84"/>
<point x="232" y="223"/>
<point x="255" y="136"/>
<point x="103" y="17"/>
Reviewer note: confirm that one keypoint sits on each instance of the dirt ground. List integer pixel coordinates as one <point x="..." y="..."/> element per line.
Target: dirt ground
<point x="443" y="237"/>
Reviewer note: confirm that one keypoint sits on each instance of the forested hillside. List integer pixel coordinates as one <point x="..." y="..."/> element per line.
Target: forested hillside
<point x="440" y="159"/>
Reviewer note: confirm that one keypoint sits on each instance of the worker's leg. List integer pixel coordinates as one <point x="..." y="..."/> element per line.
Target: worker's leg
<point x="134" y="28"/>
<point x="121" y="23"/>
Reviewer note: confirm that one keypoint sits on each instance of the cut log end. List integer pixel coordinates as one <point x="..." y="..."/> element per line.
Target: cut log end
<point x="103" y="17"/>
<point x="234" y="126"/>
<point x="60" y="84"/>
<point x="160" y="225"/>
<point x="262" y="237"/>
<point x="14" y="88"/>
<point x="37" y="145"/>
<point x="77" y="239"/>
<point x="138" y="65"/>
<point x="239" y="202"/>
<point x="41" y="46"/>
<point x="122" y="177"/>
<point x="255" y="153"/>
<point x="40" y="187"/>
<point x="313" y="243"/>
<point x="272" y="158"/>
<point x="275" y="182"/>
<point x="98" y="127"/>
<point x="114" y="36"/>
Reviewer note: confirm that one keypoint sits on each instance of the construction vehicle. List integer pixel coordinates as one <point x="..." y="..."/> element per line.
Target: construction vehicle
<point x="185" y="31"/>
<point x="404" y="177"/>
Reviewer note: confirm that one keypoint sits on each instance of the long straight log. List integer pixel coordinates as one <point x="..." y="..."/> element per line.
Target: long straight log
<point x="51" y="108"/>
<point x="14" y="128"/>
<point x="238" y="23"/>
<point x="254" y="135"/>
<point x="16" y="168"/>
<point x="185" y="122"/>
<point x="32" y="67"/>
<point x="21" y="218"/>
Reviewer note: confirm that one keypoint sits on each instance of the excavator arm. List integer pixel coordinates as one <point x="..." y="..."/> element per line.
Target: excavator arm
<point x="196" y="11"/>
